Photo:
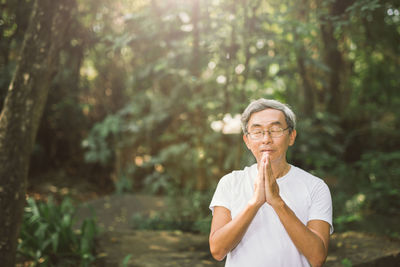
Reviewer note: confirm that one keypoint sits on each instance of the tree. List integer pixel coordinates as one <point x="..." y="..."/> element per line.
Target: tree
<point x="22" y="111"/>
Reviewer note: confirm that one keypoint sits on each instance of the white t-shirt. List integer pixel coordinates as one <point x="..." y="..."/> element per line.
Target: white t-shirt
<point x="266" y="242"/>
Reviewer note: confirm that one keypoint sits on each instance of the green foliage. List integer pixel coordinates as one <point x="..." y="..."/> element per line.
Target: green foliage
<point x="166" y="221"/>
<point x="187" y="210"/>
<point x="179" y="86"/>
<point x="97" y="142"/>
<point x="346" y="262"/>
<point x="48" y="237"/>
<point x="374" y="192"/>
<point x="348" y="212"/>
<point x="123" y="184"/>
<point x="318" y="139"/>
<point x="125" y="262"/>
<point x="150" y="78"/>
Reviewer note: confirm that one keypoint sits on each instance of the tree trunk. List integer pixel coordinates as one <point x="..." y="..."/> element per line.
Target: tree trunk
<point x="333" y="59"/>
<point x="333" y="56"/>
<point x="22" y="110"/>
<point x="195" y="67"/>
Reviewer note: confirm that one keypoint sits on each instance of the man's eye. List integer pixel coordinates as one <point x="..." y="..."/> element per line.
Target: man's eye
<point x="274" y="130"/>
<point x="257" y="132"/>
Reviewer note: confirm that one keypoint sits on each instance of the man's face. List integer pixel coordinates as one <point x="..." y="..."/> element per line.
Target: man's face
<point x="275" y="147"/>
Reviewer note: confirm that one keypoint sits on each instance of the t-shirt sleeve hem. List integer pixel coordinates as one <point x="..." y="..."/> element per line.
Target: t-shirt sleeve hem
<point x="212" y="205"/>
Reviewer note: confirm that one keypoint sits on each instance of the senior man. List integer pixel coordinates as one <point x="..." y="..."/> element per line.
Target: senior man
<point x="271" y="213"/>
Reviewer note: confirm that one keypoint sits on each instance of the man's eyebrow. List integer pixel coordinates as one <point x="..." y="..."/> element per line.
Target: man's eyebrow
<point x="259" y="125"/>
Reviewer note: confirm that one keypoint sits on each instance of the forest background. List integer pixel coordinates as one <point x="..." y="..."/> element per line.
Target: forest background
<point x="147" y="93"/>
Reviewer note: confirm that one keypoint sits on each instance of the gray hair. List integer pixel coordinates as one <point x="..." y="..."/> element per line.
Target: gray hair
<point x="261" y="104"/>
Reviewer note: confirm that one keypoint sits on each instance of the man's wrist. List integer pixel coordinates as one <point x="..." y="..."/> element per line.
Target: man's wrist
<point x="253" y="204"/>
<point x="278" y="203"/>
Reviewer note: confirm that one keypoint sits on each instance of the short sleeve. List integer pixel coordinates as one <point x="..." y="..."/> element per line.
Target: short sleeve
<point x="222" y="194"/>
<point x="321" y="204"/>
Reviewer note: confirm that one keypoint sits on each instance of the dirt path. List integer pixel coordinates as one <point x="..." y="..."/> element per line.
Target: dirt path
<point x="155" y="248"/>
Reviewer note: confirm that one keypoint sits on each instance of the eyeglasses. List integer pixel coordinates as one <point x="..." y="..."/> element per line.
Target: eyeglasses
<point x="273" y="132"/>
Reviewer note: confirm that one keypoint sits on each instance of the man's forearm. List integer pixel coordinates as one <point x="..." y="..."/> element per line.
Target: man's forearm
<point x="223" y="240"/>
<point x="306" y="241"/>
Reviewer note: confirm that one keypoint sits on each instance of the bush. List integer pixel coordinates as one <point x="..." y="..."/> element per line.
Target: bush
<point x="48" y="238"/>
<point x="188" y="211"/>
<point x="368" y="196"/>
<point x="381" y="184"/>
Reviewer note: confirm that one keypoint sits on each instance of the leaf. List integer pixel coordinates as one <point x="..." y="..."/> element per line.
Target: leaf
<point x="126" y="260"/>
<point x="54" y="241"/>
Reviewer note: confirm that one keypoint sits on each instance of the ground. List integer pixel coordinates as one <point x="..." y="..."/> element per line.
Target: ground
<point x="175" y="248"/>
<point x="118" y="242"/>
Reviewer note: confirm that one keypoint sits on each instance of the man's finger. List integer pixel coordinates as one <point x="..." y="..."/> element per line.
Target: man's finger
<point x="260" y="177"/>
<point x="270" y="174"/>
<point x="265" y="172"/>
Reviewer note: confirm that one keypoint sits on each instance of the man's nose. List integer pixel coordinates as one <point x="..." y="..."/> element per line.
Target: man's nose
<point x="266" y="137"/>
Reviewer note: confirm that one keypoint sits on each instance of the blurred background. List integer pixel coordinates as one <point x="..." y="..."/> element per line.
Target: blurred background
<point x="147" y="97"/>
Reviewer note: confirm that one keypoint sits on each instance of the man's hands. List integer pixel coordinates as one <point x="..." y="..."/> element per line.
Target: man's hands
<point x="266" y="188"/>
<point x="259" y="185"/>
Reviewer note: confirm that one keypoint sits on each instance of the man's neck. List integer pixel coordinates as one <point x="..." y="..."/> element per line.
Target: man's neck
<point x="281" y="170"/>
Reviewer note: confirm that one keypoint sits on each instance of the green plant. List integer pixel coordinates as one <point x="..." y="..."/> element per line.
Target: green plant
<point x="126" y="260"/>
<point x="99" y="138"/>
<point x="188" y="211"/>
<point x="157" y="221"/>
<point x="346" y="262"/>
<point x="190" y="208"/>
<point x="48" y="237"/>
<point x="381" y="184"/>
<point x="123" y="184"/>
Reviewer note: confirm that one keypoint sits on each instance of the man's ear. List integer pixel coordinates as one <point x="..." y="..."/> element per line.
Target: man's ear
<point x="292" y="137"/>
<point x="246" y="140"/>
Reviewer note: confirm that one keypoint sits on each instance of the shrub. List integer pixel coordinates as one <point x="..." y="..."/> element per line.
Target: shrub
<point x="48" y="237"/>
<point x="188" y="211"/>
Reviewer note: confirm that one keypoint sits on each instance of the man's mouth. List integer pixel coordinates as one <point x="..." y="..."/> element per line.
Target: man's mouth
<point x="267" y="150"/>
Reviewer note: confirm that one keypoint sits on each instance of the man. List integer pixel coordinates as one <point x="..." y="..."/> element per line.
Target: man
<point x="272" y="213"/>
